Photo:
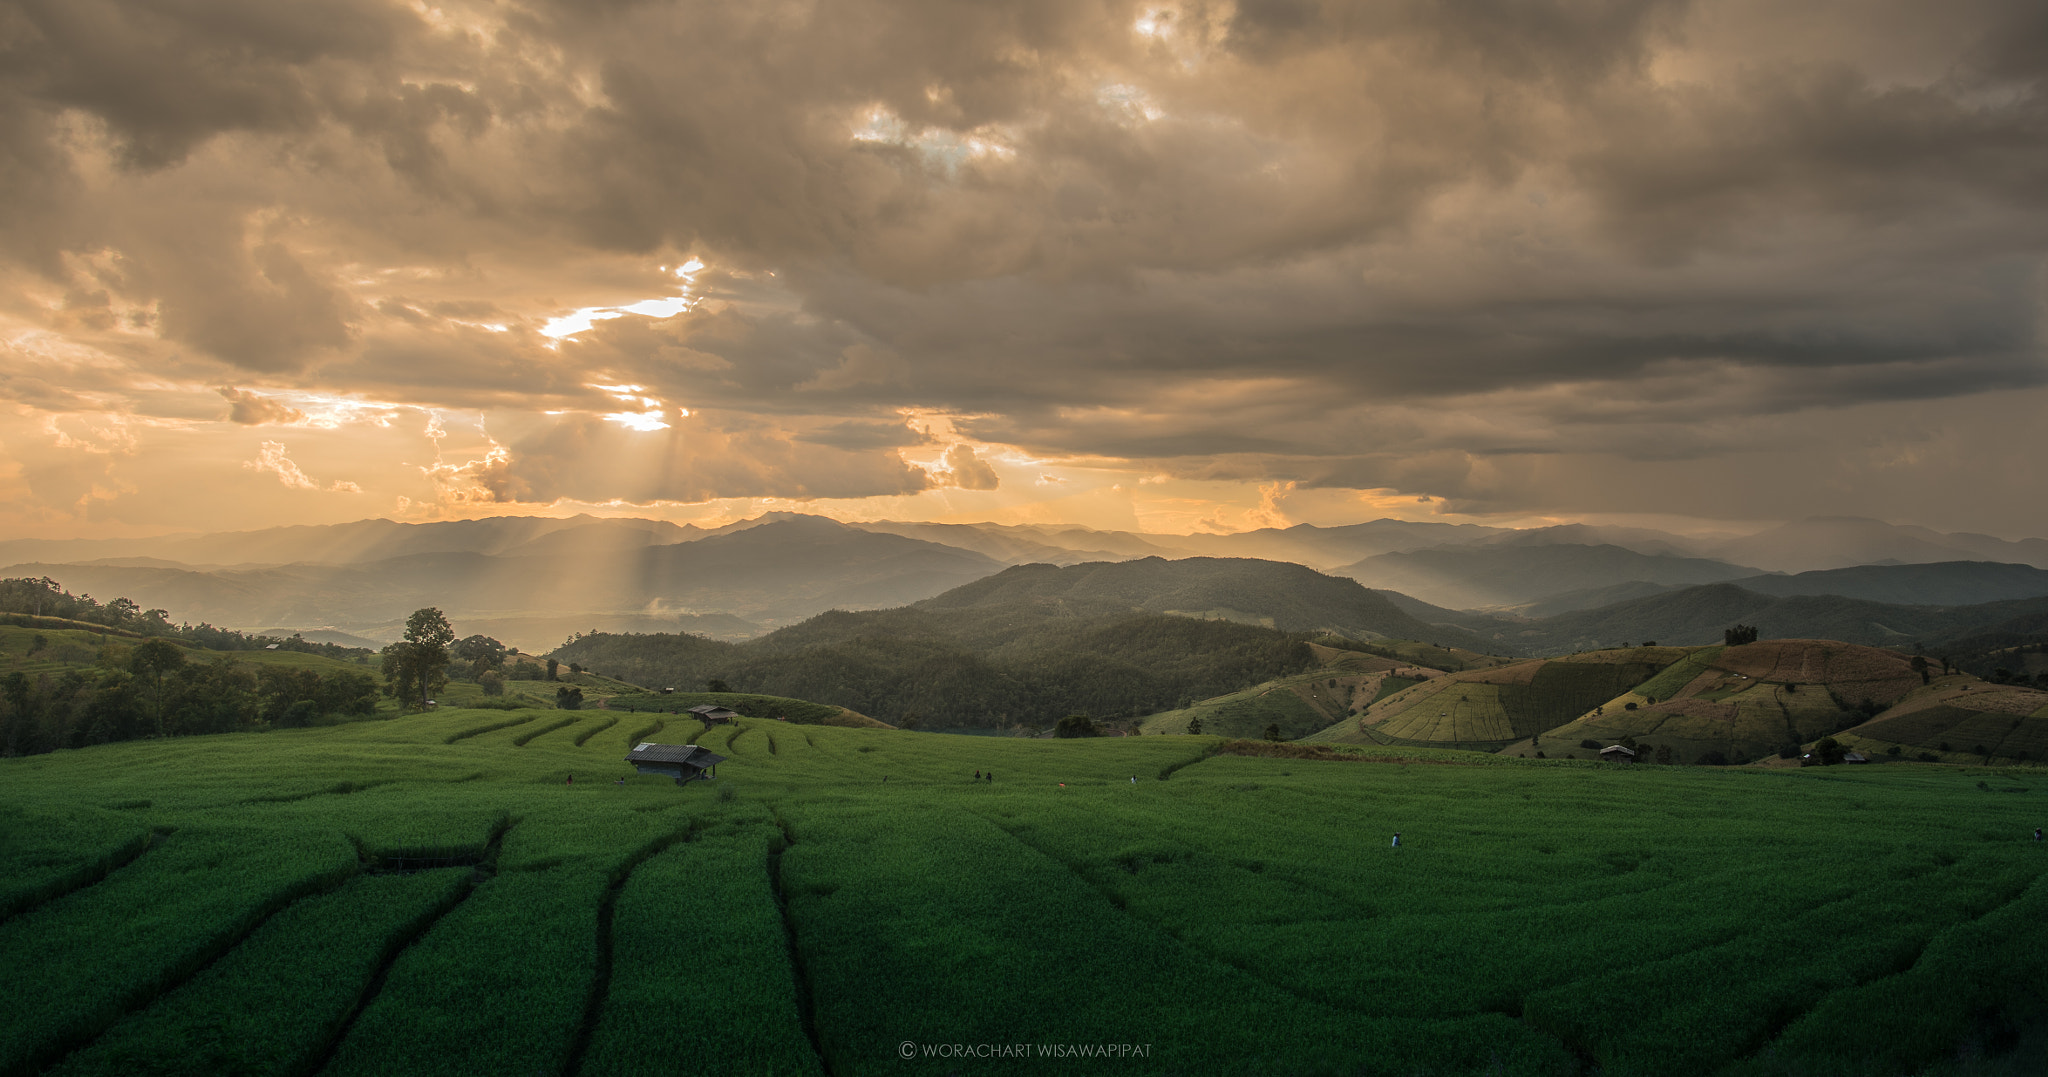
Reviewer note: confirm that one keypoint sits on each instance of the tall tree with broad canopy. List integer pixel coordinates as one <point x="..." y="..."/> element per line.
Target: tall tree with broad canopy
<point x="420" y="661"/>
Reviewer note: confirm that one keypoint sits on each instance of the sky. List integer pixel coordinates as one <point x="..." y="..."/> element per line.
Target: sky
<point x="1166" y="267"/>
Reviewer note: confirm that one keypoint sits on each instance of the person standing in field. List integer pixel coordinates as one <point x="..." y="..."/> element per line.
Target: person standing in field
<point x="1397" y="839"/>
<point x="571" y="781"/>
<point x="2037" y="833"/>
<point x="977" y="775"/>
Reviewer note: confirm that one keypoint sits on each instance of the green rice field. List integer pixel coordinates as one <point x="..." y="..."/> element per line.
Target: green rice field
<point x="435" y="895"/>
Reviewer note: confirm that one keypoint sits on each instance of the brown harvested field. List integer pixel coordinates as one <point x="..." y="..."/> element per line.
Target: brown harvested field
<point x="1853" y="671"/>
<point x="1661" y="656"/>
<point x="1523" y="673"/>
<point x="2005" y="722"/>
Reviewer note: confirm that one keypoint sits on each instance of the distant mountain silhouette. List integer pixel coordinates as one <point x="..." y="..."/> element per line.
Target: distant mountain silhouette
<point x="1945" y="583"/>
<point x="1494" y="575"/>
<point x="1825" y="542"/>
<point x="771" y="573"/>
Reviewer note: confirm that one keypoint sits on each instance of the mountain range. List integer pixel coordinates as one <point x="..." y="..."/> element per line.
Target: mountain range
<point x="532" y="581"/>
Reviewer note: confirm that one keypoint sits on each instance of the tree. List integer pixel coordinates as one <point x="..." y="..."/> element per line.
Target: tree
<point x="715" y="685"/>
<point x="1739" y="635"/>
<point x="418" y="665"/>
<point x="481" y="648"/>
<point x="1273" y="731"/>
<point x="569" y="699"/>
<point x="493" y="682"/>
<point x="1194" y="726"/>
<point x="1076" y="725"/>
<point x="150" y="660"/>
<point x="1920" y="667"/>
<point x="554" y="667"/>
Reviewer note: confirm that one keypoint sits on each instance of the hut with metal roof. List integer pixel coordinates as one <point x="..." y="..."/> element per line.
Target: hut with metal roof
<point x="713" y="714"/>
<point x="683" y="762"/>
<point x="1615" y="753"/>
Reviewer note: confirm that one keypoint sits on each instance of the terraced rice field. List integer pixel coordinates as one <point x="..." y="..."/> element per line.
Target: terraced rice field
<point x="435" y="895"/>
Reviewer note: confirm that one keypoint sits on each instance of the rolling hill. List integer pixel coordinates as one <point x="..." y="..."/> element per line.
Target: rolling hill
<point x="1698" y="615"/>
<point x="1275" y="594"/>
<point x="1741" y="703"/>
<point x="1489" y="709"/>
<point x="1960" y="720"/>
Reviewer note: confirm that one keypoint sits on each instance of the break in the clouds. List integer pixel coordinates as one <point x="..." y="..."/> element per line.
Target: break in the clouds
<point x="1113" y="262"/>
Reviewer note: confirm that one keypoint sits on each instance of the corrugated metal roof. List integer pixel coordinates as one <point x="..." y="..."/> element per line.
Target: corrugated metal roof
<point x="685" y="754"/>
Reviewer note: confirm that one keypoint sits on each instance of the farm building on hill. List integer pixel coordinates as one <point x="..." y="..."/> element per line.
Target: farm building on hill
<point x="1615" y="753"/>
<point x="1855" y="757"/>
<point x="713" y="713"/>
<point x="683" y="762"/>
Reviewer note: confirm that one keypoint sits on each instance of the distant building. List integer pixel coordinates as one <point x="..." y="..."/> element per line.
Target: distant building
<point x="1855" y="757"/>
<point x="1615" y="753"/>
<point x="683" y="762"/>
<point x="713" y="713"/>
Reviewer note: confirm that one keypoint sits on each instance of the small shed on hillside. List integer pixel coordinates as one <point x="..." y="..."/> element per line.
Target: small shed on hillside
<point x="683" y="762"/>
<point x="1855" y="757"/>
<point x="1615" y="753"/>
<point x="713" y="713"/>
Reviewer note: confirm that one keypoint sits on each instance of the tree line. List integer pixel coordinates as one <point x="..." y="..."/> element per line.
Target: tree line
<point x="154" y="688"/>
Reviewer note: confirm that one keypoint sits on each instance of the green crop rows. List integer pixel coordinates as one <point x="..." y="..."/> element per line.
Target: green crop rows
<point x="435" y="895"/>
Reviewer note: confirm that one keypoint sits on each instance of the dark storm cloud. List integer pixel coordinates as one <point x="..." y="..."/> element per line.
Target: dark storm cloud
<point x="1401" y="244"/>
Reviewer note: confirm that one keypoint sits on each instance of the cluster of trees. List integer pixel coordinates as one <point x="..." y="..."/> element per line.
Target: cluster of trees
<point x="1025" y="665"/>
<point x="27" y="601"/>
<point x="154" y="688"/>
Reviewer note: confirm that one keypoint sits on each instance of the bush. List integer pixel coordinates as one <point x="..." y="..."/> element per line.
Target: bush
<point x="1712" y="759"/>
<point x="1077" y="725"/>
<point x="1590" y="743"/>
<point x="1928" y="757"/>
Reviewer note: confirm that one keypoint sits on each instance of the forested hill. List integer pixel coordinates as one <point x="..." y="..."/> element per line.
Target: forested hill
<point x="1276" y="594"/>
<point x="983" y="668"/>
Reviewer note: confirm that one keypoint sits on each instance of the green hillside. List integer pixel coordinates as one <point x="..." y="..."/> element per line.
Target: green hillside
<point x="1736" y="704"/>
<point x="999" y="667"/>
<point x="473" y="891"/>
<point x="1489" y="709"/>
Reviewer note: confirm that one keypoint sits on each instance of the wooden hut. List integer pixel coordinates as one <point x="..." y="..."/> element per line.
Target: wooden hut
<point x="683" y="762"/>
<point x="1615" y="753"/>
<point x="713" y="714"/>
